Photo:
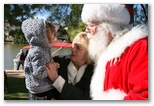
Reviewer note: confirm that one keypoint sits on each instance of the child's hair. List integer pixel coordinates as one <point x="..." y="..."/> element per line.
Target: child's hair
<point x="49" y="26"/>
<point x="49" y="29"/>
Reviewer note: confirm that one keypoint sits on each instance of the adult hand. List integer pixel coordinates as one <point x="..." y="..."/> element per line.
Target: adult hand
<point x="52" y="70"/>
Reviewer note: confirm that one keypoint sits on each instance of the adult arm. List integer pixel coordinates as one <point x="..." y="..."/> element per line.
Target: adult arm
<point x="67" y="91"/>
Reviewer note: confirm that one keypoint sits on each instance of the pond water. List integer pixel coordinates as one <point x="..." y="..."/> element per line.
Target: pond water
<point x="11" y="50"/>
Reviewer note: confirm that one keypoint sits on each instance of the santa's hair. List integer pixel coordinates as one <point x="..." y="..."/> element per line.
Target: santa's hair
<point x="114" y="28"/>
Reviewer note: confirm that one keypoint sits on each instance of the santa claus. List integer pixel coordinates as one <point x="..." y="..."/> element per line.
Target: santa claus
<point x="120" y="52"/>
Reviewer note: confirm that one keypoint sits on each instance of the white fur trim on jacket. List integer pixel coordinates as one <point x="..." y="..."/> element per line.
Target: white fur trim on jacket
<point x="114" y="50"/>
<point x="116" y="13"/>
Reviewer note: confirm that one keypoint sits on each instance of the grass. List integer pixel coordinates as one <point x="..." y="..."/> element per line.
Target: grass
<point x="16" y="89"/>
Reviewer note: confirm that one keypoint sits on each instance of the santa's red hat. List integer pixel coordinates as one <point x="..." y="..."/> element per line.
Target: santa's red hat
<point x="115" y="13"/>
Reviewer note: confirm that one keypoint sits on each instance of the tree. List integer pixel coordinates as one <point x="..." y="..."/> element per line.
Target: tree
<point x="14" y="14"/>
<point x="75" y="25"/>
<point x="141" y="14"/>
<point x="59" y="13"/>
<point x="67" y="15"/>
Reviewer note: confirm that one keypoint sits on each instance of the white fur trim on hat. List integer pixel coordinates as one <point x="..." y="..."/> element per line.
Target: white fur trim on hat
<point x="116" y="13"/>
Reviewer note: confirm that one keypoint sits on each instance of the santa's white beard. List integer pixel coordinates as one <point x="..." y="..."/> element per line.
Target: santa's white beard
<point x="97" y="44"/>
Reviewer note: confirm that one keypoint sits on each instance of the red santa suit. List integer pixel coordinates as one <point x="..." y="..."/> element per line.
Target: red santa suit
<point x="122" y="69"/>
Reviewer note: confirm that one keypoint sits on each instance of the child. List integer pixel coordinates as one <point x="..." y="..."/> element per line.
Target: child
<point x="20" y="59"/>
<point x="40" y="36"/>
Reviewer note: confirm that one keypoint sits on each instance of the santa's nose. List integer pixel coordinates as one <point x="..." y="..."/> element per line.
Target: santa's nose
<point x="87" y="30"/>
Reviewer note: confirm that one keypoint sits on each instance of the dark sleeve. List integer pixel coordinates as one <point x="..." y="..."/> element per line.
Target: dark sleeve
<point x="61" y="59"/>
<point x="71" y="92"/>
<point x="81" y="90"/>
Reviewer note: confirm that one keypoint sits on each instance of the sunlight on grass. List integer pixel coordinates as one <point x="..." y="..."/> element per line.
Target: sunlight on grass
<point x="16" y="96"/>
<point x="16" y="89"/>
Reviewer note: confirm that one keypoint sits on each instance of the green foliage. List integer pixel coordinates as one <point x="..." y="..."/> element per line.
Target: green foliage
<point x="73" y="31"/>
<point x="18" y="37"/>
<point x="67" y="15"/>
<point x="141" y="14"/>
<point x="59" y="13"/>
<point x="75" y="14"/>
<point x="14" y="14"/>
